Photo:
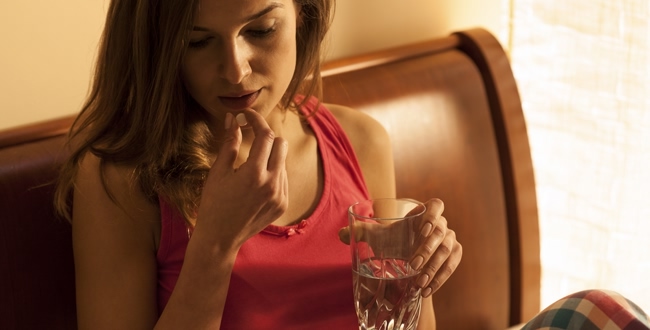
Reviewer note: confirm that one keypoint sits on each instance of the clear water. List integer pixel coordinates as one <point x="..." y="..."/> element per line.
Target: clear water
<point x="386" y="297"/>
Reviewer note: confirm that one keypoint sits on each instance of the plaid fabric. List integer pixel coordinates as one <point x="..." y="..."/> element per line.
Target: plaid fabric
<point x="591" y="310"/>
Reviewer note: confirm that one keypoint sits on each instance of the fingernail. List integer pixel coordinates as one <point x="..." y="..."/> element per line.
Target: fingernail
<point x="228" y="120"/>
<point x="423" y="280"/>
<point x="426" y="229"/>
<point x="417" y="262"/>
<point x="241" y="119"/>
<point x="426" y="292"/>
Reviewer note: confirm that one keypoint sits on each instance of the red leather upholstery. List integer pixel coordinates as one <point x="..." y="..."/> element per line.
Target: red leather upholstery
<point x="37" y="271"/>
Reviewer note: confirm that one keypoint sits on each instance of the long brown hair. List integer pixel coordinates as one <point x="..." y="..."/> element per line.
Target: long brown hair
<point x="138" y="112"/>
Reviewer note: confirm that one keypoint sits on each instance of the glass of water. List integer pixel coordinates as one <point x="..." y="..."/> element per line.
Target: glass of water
<point x="384" y="235"/>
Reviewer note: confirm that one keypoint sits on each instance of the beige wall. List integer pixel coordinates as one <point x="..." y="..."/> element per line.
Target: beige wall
<point x="365" y="25"/>
<point x="49" y="46"/>
<point x="46" y="58"/>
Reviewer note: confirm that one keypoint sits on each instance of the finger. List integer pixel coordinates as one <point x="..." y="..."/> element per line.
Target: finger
<point x="285" y="181"/>
<point x="437" y="259"/>
<point x="278" y="202"/>
<point x="284" y="185"/>
<point x="263" y="142"/>
<point x="426" y="246"/>
<point x="363" y="231"/>
<point x="435" y="207"/>
<point x="440" y="274"/>
<point x="278" y="155"/>
<point x="230" y="148"/>
<point x="344" y="235"/>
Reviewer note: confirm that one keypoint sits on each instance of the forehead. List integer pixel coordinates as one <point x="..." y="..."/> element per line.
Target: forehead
<point x="211" y="11"/>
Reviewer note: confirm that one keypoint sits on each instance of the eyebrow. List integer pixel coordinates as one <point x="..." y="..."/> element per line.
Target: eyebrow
<point x="253" y="17"/>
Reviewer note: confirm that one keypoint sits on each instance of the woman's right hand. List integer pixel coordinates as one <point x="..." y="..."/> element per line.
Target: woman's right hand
<point x="237" y="203"/>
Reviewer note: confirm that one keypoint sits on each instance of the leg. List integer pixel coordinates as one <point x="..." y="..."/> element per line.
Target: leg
<point x="591" y="309"/>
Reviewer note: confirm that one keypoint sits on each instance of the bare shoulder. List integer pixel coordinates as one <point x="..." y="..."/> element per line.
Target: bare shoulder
<point x="112" y="187"/>
<point x="110" y="194"/>
<point x="114" y="231"/>
<point x="359" y="126"/>
<point x="371" y="144"/>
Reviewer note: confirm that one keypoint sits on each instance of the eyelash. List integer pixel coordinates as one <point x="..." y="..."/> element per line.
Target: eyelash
<point x="258" y="34"/>
<point x="199" y="44"/>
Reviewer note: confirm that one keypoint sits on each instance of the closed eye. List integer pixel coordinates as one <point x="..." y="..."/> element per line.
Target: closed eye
<point x="199" y="43"/>
<point x="262" y="33"/>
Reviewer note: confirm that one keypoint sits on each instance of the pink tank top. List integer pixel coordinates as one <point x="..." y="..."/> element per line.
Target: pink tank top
<point x="287" y="277"/>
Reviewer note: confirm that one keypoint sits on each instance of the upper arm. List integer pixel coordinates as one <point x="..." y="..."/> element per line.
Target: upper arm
<point x="114" y="250"/>
<point x="372" y="146"/>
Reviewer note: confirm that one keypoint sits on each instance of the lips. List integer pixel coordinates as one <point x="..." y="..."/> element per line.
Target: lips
<point x="239" y="102"/>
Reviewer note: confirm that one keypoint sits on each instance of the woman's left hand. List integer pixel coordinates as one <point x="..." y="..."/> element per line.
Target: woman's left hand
<point x="439" y="253"/>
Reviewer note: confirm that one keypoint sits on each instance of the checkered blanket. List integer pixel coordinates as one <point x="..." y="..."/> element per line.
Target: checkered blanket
<point x="591" y="310"/>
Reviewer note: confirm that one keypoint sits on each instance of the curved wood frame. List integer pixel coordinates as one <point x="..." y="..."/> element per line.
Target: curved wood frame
<point x="34" y="132"/>
<point x="517" y="169"/>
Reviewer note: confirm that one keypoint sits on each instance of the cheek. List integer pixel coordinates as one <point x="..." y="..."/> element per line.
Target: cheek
<point x="284" y="61"/>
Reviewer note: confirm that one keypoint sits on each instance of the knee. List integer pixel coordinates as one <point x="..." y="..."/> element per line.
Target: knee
<point x="591" y="309"/>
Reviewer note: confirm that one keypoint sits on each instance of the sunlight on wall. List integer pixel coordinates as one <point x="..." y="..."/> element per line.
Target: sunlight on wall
<point x="583" y="70"/>
<point x="50" y="45"/>
<point x="362" y="26"/>
<point x="46" y="62"/>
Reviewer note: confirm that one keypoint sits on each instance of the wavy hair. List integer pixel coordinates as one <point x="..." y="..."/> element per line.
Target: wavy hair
<point x="138" y="112"/>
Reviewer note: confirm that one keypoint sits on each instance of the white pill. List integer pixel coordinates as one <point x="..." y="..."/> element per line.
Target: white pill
<point x="241" y="119"/>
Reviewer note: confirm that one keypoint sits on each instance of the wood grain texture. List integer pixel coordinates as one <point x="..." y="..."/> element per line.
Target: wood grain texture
<point x="517" y="167"/>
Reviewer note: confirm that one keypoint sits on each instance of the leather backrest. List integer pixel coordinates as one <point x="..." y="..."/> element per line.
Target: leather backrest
<point x="37" y="276"/>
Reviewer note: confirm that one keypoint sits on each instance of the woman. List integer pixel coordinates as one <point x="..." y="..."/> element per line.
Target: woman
<point x="209" y="184"/>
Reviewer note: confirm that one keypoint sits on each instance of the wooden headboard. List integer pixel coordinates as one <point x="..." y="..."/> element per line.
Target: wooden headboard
<point x="453" y="112"/>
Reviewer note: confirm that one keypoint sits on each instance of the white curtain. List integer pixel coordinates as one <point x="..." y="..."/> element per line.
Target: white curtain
<point x="583" y="70"/>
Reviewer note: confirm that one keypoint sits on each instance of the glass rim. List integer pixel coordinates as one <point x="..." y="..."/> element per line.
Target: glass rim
<point x="372" y="200"/>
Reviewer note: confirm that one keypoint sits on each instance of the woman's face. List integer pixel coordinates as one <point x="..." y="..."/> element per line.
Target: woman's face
<point x="241" y="54"/>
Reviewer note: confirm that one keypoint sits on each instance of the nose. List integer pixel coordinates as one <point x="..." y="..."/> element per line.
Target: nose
<point x="235" y="65"/>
